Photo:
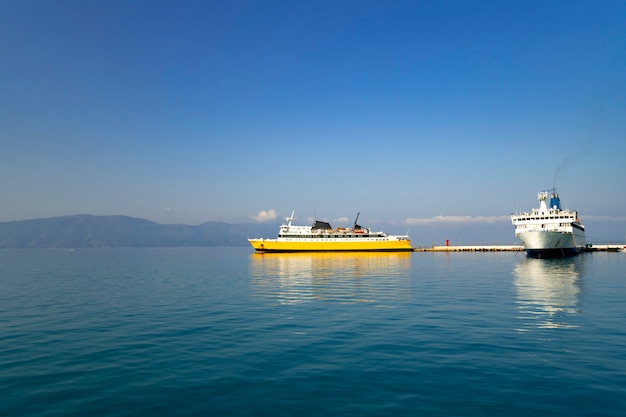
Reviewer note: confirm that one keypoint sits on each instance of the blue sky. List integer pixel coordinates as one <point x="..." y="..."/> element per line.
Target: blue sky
<point x="418" y="114"/>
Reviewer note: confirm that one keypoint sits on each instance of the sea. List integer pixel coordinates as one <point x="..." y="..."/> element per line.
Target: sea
<point x="227" y="332"/>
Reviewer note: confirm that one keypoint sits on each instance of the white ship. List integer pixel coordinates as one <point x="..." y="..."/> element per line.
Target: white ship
<point x="548" y="231"/>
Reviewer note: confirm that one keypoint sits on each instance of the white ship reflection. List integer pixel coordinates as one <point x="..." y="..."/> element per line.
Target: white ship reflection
<point x="292" y="278"/>
<point x="548" y="291"/>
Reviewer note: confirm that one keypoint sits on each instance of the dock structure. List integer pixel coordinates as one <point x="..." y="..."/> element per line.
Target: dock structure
<point x="470" y="248"/>
<point x="506" y="248"/>
<point x="605" y="248"/>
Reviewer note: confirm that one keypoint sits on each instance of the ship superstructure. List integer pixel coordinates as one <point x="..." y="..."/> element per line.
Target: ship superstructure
<point x="549" y="231"/>
<point x="321" y="236"/>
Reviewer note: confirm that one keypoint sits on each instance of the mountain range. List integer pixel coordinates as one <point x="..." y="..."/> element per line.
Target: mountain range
<point x="89" y="231"/>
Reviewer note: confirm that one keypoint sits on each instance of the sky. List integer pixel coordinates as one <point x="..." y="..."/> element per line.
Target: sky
<point x="426" y="116"/>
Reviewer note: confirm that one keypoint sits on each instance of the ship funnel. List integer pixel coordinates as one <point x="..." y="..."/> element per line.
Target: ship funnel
<point x="555" y="201"/>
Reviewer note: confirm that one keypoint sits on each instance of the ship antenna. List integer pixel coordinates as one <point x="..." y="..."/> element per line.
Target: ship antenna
<point x="290" y="218"/>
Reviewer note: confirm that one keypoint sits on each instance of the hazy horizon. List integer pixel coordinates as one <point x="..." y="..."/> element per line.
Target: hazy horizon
<point x="427" y="232"/>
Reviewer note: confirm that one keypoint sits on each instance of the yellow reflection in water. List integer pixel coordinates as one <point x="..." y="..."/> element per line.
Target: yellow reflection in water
<point x="333" y="276"/>
<point x="548" y="291"/>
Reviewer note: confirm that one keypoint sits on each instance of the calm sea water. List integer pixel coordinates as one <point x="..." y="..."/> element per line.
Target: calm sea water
<point x="223" y="331"/>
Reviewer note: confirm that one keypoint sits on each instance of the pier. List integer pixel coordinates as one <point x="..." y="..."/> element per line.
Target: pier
<point x="506" y="248"/>
<point x="470" y="248"/>
<point x="605" y="248"/>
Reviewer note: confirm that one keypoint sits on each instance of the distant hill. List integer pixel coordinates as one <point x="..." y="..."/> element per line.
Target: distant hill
<point x="88" y="231"/>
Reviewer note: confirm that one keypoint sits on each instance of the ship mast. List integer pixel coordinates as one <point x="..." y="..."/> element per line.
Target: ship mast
<point x="290" y="218"/>
<point x="356" y="226"/>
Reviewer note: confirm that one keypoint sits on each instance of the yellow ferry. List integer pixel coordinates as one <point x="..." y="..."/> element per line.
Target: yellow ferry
<point x="322" y="237"/>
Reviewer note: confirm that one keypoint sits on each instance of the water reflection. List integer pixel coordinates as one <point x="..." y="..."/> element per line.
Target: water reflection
<point x="345" y="277"/>
<point x="548" y="291"/>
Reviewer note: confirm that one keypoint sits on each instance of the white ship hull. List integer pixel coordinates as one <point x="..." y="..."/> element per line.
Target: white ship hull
<point x="545" y="244"/>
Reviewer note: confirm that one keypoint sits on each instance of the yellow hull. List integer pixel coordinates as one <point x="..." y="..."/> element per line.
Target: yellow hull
<point x="318" y="245"/>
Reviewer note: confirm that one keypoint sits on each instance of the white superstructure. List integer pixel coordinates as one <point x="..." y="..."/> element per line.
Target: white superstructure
<point x="549" y="231"/>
